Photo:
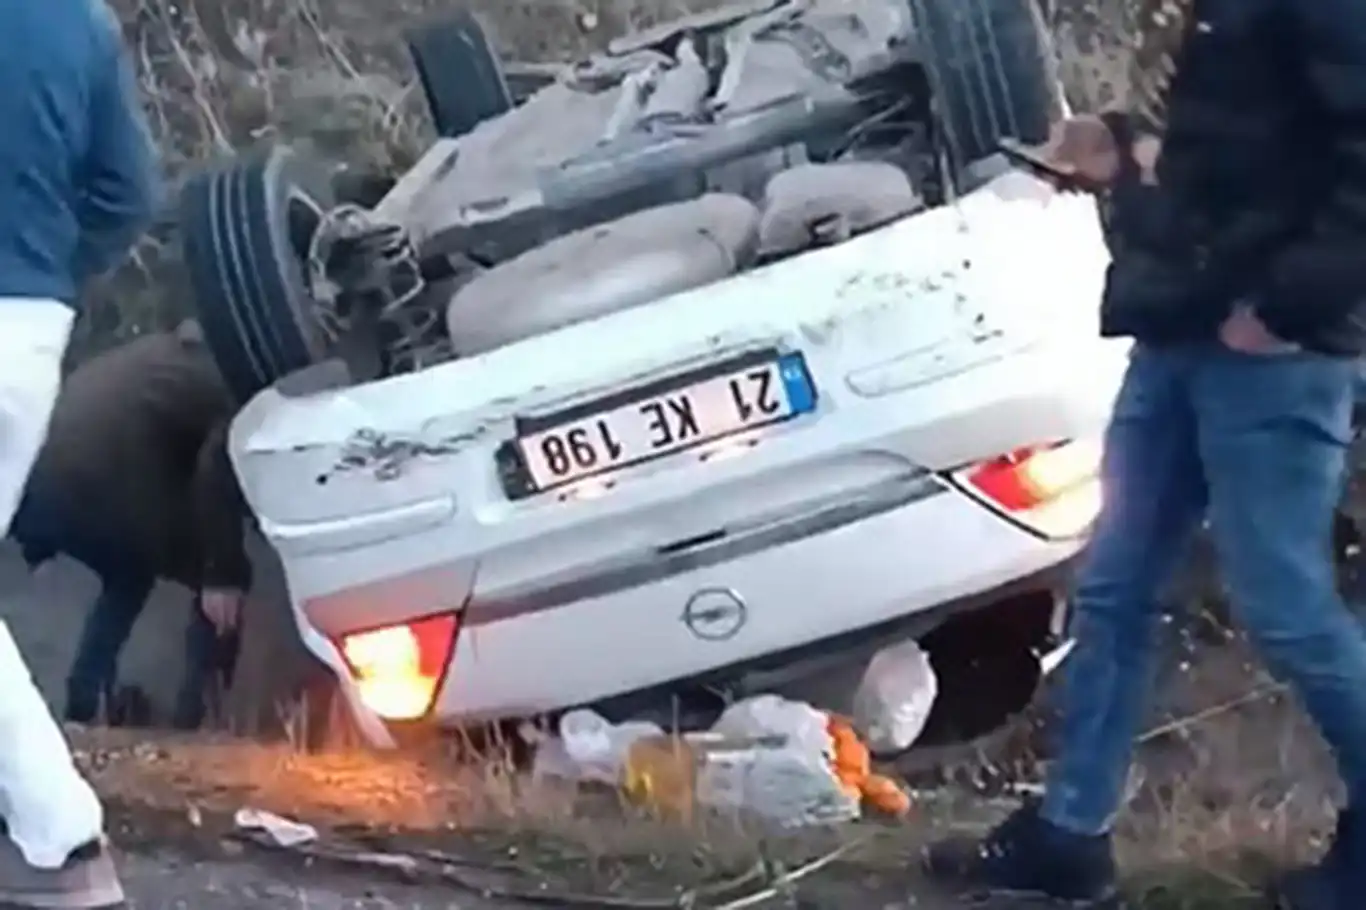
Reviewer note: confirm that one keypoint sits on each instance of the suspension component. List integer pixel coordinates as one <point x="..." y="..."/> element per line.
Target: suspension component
<point x="367" y="278"/>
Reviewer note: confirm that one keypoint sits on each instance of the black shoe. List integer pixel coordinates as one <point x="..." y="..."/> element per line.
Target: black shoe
<point x="1336" y="882"/>
<point x="1026" y="856"/>
<point x="130" y="706"/>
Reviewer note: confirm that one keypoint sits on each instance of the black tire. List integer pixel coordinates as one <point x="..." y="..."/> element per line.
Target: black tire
<point x="460" y="72"/>
<point x="994" y="72"/>
<point x="246" y="230"/>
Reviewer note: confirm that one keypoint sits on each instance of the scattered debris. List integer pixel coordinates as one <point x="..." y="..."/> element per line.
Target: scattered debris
<point x="589" y="748"/>
<point x="282" y="831"/>
<point x="894" y="699"/>
<point x="757" y="885"/>
<point x="853" y="767"/>
<point x="776" y="759"/>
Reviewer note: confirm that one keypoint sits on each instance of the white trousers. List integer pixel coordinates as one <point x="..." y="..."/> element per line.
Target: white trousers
<point x="47" y="806"/>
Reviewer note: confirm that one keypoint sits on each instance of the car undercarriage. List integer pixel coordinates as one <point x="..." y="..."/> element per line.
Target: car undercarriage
<point x="681" y="155"/>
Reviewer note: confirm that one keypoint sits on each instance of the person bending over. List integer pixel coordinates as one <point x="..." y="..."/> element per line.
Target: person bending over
<point x="134" y="482"/>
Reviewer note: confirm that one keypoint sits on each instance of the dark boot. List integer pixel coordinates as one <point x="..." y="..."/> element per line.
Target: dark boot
<point x="1336" y="882"/>
<point x="1026" y="856"/>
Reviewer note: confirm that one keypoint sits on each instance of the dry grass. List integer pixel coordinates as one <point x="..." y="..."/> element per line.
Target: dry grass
<point x="1240" y="789"/>
<point x="482" y="816"/>
<point x="1230" y="796"/>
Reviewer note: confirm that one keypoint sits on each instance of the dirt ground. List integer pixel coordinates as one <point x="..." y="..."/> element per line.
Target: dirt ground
<point x="165" y="880"/>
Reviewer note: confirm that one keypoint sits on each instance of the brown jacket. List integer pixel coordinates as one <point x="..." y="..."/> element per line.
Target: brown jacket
<point x="136" y="455"/>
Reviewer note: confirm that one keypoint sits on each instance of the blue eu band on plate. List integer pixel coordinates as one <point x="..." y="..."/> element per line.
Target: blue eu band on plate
<point x="734" y="398"/>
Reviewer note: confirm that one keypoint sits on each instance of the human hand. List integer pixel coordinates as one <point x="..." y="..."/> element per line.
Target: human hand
<point x="1243" y="331"/>
<point x="223" y="607"/>
<point x="1082" y="152"/>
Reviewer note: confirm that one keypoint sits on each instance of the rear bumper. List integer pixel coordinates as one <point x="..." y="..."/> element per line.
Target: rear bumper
<point x="745" y="613"/>
<point x="896" y="573"/>
<point x="1038" y="594"/>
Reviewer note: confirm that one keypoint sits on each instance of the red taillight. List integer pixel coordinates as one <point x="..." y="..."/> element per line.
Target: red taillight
<point x="1054" y="489"/>
<point x="398" y="669"/>
<point x="1002" y="482"/>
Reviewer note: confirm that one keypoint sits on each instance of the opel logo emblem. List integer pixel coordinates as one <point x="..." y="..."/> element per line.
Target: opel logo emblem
<point x="715" y="614"/>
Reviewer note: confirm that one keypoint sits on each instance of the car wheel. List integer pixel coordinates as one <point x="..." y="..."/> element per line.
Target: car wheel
<point x="460" y="72"/>
<point x="994" y="71"/>
<point x="247" y="229"/>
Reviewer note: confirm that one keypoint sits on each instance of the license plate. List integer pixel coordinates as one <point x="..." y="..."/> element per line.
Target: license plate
<point x="660" y="419"/>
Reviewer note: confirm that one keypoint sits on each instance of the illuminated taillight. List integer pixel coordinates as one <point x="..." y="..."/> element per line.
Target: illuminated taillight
<point x="1054" y="490"/>
<point x="398" y="669"/>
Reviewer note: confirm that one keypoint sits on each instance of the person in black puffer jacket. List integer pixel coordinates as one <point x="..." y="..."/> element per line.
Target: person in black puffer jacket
<point x="1236" y="188"/>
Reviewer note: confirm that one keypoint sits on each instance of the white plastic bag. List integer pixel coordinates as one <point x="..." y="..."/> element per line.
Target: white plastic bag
<point x="283" y="832"/>
<point x="590" y="748"/>
<point x="778" y="783"/>
<point x="893" y="700"/>
<point x="789" y="779"/>
<point x="772" y="715"/>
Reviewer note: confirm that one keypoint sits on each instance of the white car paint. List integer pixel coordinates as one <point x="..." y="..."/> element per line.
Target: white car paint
<point x="953" y="335"/>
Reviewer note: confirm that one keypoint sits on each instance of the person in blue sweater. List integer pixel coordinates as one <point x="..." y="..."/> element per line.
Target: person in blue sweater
<point x="78" y="185"/>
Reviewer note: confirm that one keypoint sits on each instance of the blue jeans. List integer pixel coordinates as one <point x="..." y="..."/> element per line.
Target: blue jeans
<point x="1259" y="445"/>
<point x="44" y="527"/>
<point x="108" y="625"/>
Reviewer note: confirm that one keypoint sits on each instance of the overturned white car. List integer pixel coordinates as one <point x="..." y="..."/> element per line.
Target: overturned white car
<point x="729" y="356"/>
